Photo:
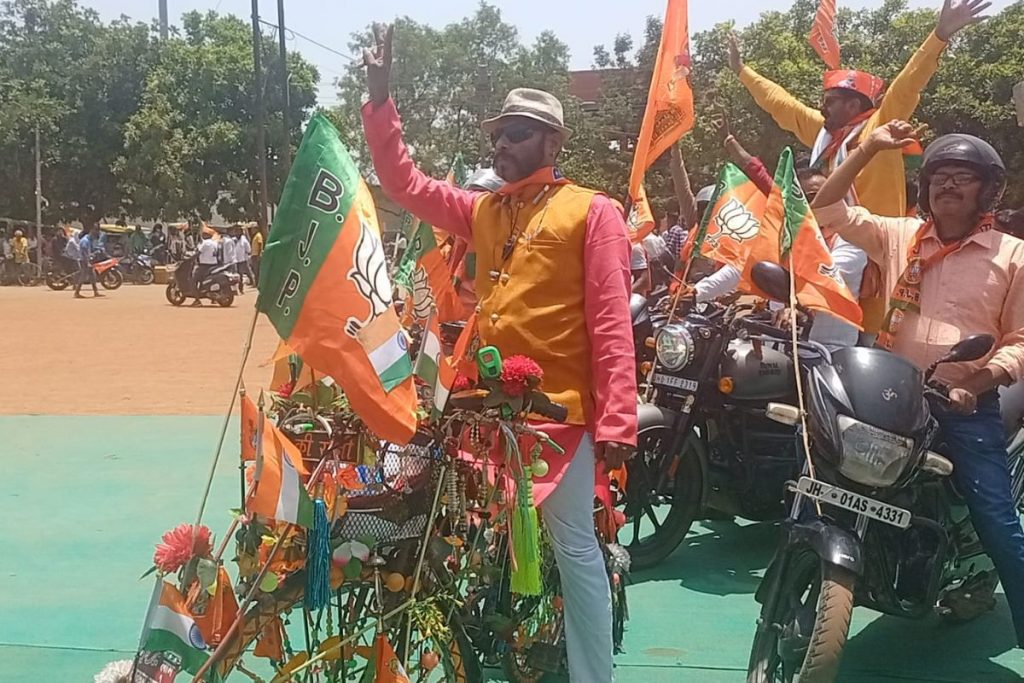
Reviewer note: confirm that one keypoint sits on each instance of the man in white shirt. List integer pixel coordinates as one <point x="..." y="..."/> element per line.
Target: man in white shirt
<point x="244" y="252"/>
<point x="229" y="249"/>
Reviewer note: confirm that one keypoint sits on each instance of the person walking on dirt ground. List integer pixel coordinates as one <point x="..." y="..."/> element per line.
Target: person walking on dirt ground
<point x="85" y="270"/>
<point x="257" y="254"/>
<point x="244" y="254"/>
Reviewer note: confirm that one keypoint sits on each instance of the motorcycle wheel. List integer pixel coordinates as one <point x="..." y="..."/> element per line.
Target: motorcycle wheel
<point x="111" y="279"/>
<point x="658" y="516"/>
<point x="28" y="275"/>
<point x="175" y="297"/>
<point x="225" y="300"/>
<point x="803" y="638"/>
<point x="57" y="281"/>
<point x="145" y="276"/>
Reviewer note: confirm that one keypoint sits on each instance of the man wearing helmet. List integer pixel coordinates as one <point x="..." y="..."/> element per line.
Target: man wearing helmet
<point x="952" y="275"/>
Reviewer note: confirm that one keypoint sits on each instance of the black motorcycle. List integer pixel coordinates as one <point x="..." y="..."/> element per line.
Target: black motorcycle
<point x="874" y="521"/>
<point x="138" y="269"/>
<point x="218" y="285"/>
<point x="705" y="447"/>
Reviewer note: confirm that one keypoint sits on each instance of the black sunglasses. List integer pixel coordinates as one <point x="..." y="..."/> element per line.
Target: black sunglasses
<point x="515" y="133"/>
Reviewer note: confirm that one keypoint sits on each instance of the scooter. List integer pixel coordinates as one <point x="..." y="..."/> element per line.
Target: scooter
<point x="218" y="285"/>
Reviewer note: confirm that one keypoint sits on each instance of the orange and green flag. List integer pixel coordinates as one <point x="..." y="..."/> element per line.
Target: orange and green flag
<point x="669" y="113"/>
<point x="325" y="285"/>
<point x="733" y="219"/>
<point x="790" y="235"/>
<point x="425" y="274"/>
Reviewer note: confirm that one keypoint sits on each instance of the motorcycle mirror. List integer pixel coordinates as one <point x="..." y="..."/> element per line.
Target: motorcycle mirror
<point x="974" y="347"/>
<point x="772" y="279"/>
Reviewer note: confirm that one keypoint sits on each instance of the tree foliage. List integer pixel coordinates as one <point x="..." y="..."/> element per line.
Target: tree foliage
<point x="192" y="143"/>
<point x="442" y="94"/>
<point x="132" y="124"/>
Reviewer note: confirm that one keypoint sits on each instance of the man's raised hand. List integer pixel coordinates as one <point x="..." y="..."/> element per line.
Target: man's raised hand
<point x="893" y="135"/>
<point x="735" y="56"/>
<point x="959" y="14"/>
<point x="378" y="64"/>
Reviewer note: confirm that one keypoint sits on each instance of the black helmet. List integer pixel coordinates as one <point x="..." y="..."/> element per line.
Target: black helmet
<point x="964" y="149"/>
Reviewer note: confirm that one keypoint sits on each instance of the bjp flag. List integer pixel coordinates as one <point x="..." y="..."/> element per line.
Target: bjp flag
<point x="790" y="235"/>
<point x="823" y="34"/>
<point x="324" y="285"/>
<point x="669" y="114"/>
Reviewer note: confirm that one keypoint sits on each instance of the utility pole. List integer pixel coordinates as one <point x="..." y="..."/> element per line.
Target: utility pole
<point x="261" y="137"/>
<point x="39" y="203"/>
<point x="163" y="19"/>
<point x="286" y="150"/>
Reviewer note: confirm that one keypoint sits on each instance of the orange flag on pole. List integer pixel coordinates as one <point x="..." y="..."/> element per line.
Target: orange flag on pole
<point x="669" y="114"/>
<point x="823" y="34"/>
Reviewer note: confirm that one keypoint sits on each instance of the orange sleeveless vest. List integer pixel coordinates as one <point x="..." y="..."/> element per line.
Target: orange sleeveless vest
<point x="532" y="302"/>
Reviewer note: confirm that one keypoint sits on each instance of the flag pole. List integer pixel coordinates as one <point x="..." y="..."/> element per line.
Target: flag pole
<point x="247" y="346"/>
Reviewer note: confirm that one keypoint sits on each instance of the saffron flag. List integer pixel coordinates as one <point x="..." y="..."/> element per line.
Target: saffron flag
<point x="640" y="220"/>
<point x="325" y="286"/>
<point x="733" y="219"/>
<point x="433" y="368"/>
<point x="170" y="627"/>
<point x="221" y="610"/>
<point x="384" y="666"/>
<point x="789" y="234"/>
<point x="669" y="113"/>
<point x="823" y="34"/>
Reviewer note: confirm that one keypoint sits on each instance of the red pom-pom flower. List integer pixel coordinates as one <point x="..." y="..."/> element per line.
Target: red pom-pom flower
<point x="461" y="383"/>
<point x="178" y="547"/>
<point x="286" y="389"/>
<point x="519" y="373"/>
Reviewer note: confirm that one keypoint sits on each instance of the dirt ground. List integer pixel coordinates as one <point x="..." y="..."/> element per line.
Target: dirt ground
<point x="129" y="353"/>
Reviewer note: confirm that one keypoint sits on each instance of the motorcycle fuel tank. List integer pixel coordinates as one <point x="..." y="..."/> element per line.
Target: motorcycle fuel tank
<point x="758" y="376"/>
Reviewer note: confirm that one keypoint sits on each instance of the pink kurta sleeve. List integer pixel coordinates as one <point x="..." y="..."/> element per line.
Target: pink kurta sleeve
<point x="430" y="200"/>
<point x="606" y="307"/>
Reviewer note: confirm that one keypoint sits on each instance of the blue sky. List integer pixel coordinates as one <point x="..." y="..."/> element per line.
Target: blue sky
<point x="580" y="23"/>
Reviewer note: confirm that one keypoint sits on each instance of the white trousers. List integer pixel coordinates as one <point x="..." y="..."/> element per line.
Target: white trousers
<point x="569" y="518"/>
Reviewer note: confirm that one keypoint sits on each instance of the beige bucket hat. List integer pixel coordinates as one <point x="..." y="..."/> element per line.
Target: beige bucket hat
<point x="532" y="104"/>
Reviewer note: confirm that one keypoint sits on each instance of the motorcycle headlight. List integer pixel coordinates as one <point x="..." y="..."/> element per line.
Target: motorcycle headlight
<point x="674" y="347"/>
<point x="872" y="456"/>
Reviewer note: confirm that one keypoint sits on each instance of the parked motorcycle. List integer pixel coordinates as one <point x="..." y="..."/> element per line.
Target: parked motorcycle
<point x="138" y="269"/>
<point x="705" y="446"/>
<point x="218" y="286"/>
<point x="875" y="521"/>
<point x="62" y="273"/>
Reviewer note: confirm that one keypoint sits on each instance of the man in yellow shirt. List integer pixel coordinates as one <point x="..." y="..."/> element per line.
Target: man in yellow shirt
<point x="257" y="255"/>
<point x="851" y="109"/>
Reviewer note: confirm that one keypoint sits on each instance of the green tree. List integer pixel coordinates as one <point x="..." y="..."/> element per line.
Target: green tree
<point x="192" y="143"/>
<point x="78" y="80"/>
<point x="445" y="81"/>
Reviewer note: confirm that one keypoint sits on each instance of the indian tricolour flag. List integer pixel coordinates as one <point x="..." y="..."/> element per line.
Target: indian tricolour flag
<point x="324" y="285"/>
<point x="171" y="628"/>
<point x="433" y="368"/>
<point x="280" y="493"/>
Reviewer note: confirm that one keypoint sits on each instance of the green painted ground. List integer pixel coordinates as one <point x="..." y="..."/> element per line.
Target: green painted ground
<point x="84" y="499"/>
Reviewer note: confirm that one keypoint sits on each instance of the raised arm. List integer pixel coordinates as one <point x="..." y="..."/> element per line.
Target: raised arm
<point x="684" y="193"/>
<point x="752" y="166"/>
<point x="904" y="93"/>
<point x="429" y="199"/>
<point x="790" y="113"/>
<point x="606" y="308"/>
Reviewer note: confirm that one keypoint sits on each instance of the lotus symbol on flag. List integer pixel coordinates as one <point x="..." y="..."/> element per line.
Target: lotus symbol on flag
<point x="370" y="274"/>
<point x="734" y="221"/>
<point x="422" y="295"/>
<point x="831" y="272"/>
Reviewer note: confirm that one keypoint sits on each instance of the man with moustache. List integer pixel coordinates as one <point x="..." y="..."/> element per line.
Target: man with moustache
<point x="552" y="280"/>
<point x="951" y="276"/>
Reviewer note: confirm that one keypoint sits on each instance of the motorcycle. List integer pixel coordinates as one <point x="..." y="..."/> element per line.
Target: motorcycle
<point x="62" y="273"/>
<point x="874" y="520"/>
<point x="218" y="285"/>
<point x="705" y="448"/>
<point x="138" y="269"/>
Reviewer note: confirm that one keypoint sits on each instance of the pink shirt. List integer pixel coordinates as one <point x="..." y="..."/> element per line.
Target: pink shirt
<point x="606" y="290"/>
<point x="978" y="289"/>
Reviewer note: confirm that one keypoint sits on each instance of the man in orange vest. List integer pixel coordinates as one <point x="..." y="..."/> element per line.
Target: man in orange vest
<point x="552" y="281"/>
